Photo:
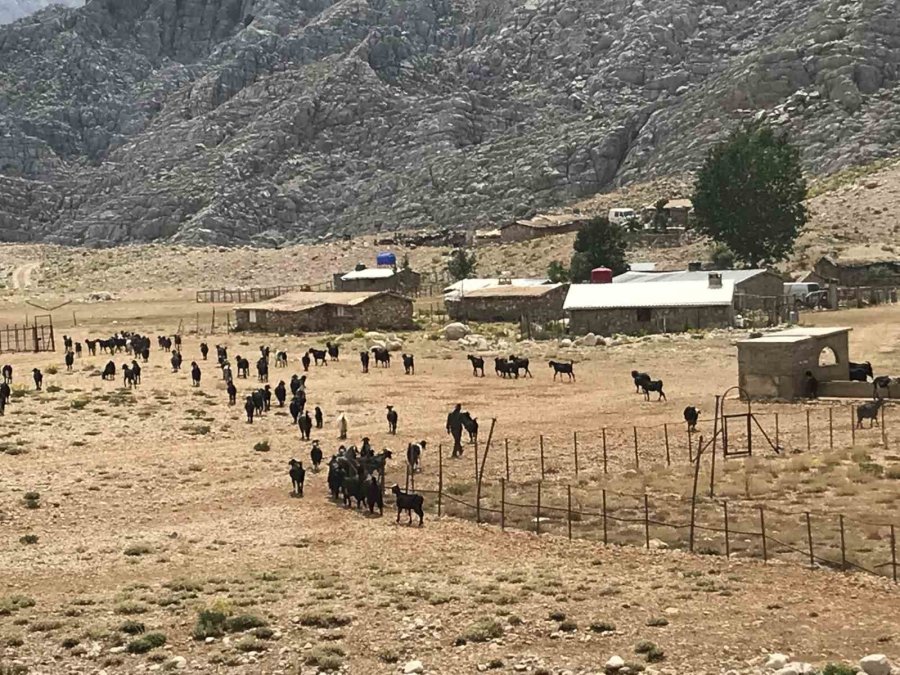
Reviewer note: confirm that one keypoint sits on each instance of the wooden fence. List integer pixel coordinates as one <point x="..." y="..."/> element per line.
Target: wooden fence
<point x="248" y="295"/>
<point x="35" y="337"/>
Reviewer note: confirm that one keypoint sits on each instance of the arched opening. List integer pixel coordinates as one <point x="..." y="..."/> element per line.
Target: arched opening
<point x="827" y="357"/>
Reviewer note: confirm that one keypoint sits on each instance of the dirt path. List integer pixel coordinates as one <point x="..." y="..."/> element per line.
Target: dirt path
<point x="22" y="275"/>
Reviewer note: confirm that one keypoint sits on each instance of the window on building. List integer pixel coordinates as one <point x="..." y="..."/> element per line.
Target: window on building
<point x="252" y="317"/>
<point x="827" y="357"/>
<point x="643" y="314"/>
<point x="341" y="310"/>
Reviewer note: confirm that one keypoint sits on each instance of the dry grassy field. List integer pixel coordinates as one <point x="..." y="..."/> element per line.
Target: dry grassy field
<point x="127" y="515"/>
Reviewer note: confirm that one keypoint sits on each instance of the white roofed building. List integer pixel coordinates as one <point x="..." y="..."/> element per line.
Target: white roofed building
<point x="372" y="279"/>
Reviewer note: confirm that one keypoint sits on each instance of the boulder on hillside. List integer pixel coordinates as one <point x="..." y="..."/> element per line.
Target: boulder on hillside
<point x="455" y="331"/>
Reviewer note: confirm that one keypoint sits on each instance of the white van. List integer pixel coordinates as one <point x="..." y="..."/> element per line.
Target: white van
<point x="803" y="293"/>
<point x="622" y="216"/>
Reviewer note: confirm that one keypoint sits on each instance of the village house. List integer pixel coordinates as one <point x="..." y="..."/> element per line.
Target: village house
<point x="509" y="303"/>
<point x="403" y="281"/>
<point x="317" y="312"/>
<point x="542" y="226"/>
<point x="872" y="271"/>
<point x="638" y="309"/>
<point x="753" y="289"/>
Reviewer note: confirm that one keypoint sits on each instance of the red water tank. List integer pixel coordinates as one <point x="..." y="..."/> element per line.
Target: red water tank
<point x="601" y="275"/>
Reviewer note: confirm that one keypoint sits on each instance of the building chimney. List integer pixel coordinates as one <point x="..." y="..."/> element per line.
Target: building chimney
<point x="695" y="266"/>
<point x="715" y="280"/>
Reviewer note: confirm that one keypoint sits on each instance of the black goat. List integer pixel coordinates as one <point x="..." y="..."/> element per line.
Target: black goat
<point x="320" y="356"/>
<point x="176" y="361"/>
<point x="319" y="417"/>
<point x="281" y="359"/>
<point x="7" y="374"/>
<point x="243" y="366"/>
<point x="364" y="360"/>
<point x="333" y="351"/>
<point x="471" y="426"/>
<point x="298" y="476"/>
<point x="563" y="369"/>
<point x="375" y="496"/>
<point x="409" y="364"/>
<point x="869" y="411"/>
<point x="136" y="371"/>
<point x="195" y="374"/>
<point x="280" y="393"/>
<point x="519" y="364"/>
<point x="691" y="415"/>
<point x="639" y="380"/>
<point x="477" y="364"/>
<point x="127" y="376"/>
<point x="305" y="423"/>
<point x="504" y="368"/>
<point x="262" y="369"/>
<point x="204" y="350"/>
<point x="392" y="420"/>
<point x="315" y="455"/>
<point x="5" y="394"/>
<point x="109" y="371"/>
<point x="653" y="385"/>
<point x="409" y="503"/>
<point x="78" y="350"/>
<point x="884" y="382"/>
<point x="250" y="408"/>
<point x="70" y="359"/>
<point x="232" y="393"/>
<point x="38" y="378"/>
<point x="382" y="357"/>
<point x="860" y="372"/>
<point x="414" y="455"/>
<point x="298" y="403"/>
<point x="810" y="385"/>
<point x="305" y="361"/>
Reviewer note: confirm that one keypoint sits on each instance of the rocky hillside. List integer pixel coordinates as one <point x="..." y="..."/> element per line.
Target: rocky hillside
<point x="12" y="10"/>
<point x="265" y="121"/>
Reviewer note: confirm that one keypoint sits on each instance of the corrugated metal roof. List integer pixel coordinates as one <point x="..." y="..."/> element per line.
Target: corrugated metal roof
<point x="506" y="291"/>
<point x="642" y="266"/>
<point x="679" y="204"/>
<point x="369" y="273"/>
<point x="300" y="300"/>
<point x="798" y="334"/>
<point x="468" y="285"/>
<point x="633" y="277"/>
<point x="673" y="294"/>
<point x="551" y="220"/>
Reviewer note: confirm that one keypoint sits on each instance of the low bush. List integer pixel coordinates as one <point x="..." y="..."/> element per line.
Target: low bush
<point x="602" y="627"/>
<point x="262" y="446"/>
<point x="242" y="622"/>
<point x="28" y="539"/>
<point x="482" y="630"/>
<point x="131" y="627"/>
<point x="323" y="619"/>
<point x="147" y="642"/>
<point x="210" y="623"/>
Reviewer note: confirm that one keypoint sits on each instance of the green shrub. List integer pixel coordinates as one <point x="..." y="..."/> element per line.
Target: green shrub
<point x="482" y="630"/>
<point x="70" y="642"/>
<point x="79" y="403"/>
<point x="892" y="472"/>
<point x="839" y="669"/>
<point x="28" y="539"/>
<point x="658" y="622"/>
<point x="262" y="446"/>
<point x="144" y="644"/>
<point x="388" y="655"/>
<point x="557" y="616"/>
<point x="45" y="626"/>
<point x="249" y="644"/>
<point x="242" y="622"/>
<point x="325" y="657"/>
<point x="127" y="608"/>
<point x="51" y="370"/>
<point x="323" y="619"/>
<point x="131" y="627"/>
<point x="264" y="633"/>
<point x="13" y="603"/>
<point x="137" y="550"/>
<point x="210" y="623"/>
<point x="644" y="647"/>
<point x="655" y="655"/>
<point x="568" y="626"/>
<point x="602" y="627"/>
<point x="53" y="389"/>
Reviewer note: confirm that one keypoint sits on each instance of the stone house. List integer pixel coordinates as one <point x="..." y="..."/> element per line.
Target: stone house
<point x="859" y="271"/>
<point x="313" y="312"/>
<point x="542" y="226"/>
<point x="639" y="309"/>
<point x="509" y="303"/>
<point x="678" y="212"/>
<point x="753" y="288"/>
<point x="403" y="281"/>
<point x="774" y="365"/>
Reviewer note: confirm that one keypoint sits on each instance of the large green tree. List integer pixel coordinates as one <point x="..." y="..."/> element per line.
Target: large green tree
<point x="599" y="243"/>
<point x="749" y="195"/>
<point x="461" y="264"/>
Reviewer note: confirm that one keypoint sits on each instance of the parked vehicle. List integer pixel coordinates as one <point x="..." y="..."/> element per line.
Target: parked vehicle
<point x="621" y="216"/>
<point x="805" y="294"/>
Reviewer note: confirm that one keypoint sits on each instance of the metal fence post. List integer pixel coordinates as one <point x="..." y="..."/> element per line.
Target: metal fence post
<point x="506" y="447"/>
<point x="727" y="541"/>
<point x="575" y="448"/>
<point x="852" y="425"/>
<point x="831" y="428"/>
<point x="647" y="520"/>
<point x="666" y="434"/>
<point x="569" y="512"/>
<point x="502" y="504"/>
<point x="605" y="532"/>
<point x="762" y="527"/>
<point x="537" y="521"/>
<point x="637" y="461"/>
<point x="440" y="477"/>
<point x="808" y="433"/>
<point x="605" y="468"/>
<point x="843" y="544"/>
<point x="542" y="456"/>
<point x="812" y="558"/>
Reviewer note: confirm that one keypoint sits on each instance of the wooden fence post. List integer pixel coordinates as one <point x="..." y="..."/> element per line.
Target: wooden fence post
<point x="883" y="430"/>
<point x="506" y="447"/>
<point x="831" y="428"/>
<point x="605" y="532"/>
<point x="537" y="521"/>
<point x="666" y="434"/>
<point x="475" y="456"/>
<point x="502" y="504"/>
<point x="812" y="558"/>
<point x="694" y="492"/>
<point x="843" y="545"/>
<point x="808" y="433"/>
<point x="894" y="553"/>
<point x="407" y="479"/>
<point x="690" y="448"/>
<point x="605" y="468"/>
<point x="762" y="527"/>
<point x="575" y="447"/>
<point x="727" y="541"/>
<point x="479" y="473"/>
<point x="647" y="521"/>
<point x="777" y="432"/>
<point x="569" y="512"/>
<point x="852" y="425"/>
<point x="637" y="461"/>
<point x="440" y="476"/>
<point x="712" y="468"/>
<point x="542" y="456"/>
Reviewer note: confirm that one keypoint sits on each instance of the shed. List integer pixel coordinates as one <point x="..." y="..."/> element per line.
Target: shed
<point x="403" y="281"/>
<point x="753" y="288"/>
<point x="673" y="306"/>
<point x="678" y="212"/>
<point x="774" y="365"/>
<point x="509" y="303"/>
<point x="542" y="226"/>
<point x="309" y="312"/>
<point x="864" y="271"/>
<point x="466" y="286"/>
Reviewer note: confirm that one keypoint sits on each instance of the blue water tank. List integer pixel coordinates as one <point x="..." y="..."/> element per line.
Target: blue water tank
<point x="386" y="258"/>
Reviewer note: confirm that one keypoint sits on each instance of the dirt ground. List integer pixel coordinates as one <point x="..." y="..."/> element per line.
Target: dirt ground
<point x="152" y="505"/>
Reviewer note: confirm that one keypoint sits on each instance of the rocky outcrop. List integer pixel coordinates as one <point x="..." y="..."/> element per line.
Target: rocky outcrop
<point x="13" y="10"/>
<point x="268" y="121"/>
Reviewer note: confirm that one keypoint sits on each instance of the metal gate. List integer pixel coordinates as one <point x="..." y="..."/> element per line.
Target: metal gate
<point x="33" y="337"/>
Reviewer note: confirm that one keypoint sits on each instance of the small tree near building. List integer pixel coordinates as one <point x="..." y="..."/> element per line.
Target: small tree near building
<point x="557" y="272"/>
<point x="749" y="195"/>
<point x="599" y="243"/>
<point x="461" y="264"/>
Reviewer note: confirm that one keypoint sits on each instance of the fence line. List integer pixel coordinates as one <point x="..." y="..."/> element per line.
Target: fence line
<point x="256" y="294"/>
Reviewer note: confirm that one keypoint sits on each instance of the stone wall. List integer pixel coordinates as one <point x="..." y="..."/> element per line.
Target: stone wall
<point x="387" y="312"/>
<point x="763" y="292"/>
<point x="867" y="274"/>
<point x="546" y="307"/>
<point x="653" y="320"/>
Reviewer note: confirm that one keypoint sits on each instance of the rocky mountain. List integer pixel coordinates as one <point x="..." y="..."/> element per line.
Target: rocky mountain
<point x="12" y="10"/>
<point x="266" y="121"/>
